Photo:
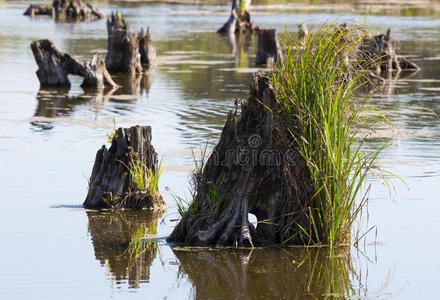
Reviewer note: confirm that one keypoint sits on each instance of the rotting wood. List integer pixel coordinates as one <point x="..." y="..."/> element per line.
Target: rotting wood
<point x="146" y="48"/>
<point x="268" y="49"/>
<point x="239" y="20"/>
<point x="112" y="184"/>
<point x="65" y="10"/>
<point x="254" y="169"/>
<point x="124" y="55"/>
<point x="54" y="67"/>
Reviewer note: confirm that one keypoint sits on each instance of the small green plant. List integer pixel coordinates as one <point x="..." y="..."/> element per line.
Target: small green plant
<point x="242" y="7"/>
<point x="112" y="134"/>
<point x="141" y="174"/>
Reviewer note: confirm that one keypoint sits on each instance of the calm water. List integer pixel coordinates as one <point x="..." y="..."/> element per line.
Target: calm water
<point x="51" y="248"/>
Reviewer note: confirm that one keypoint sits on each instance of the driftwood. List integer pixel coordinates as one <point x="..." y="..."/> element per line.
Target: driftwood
<point x="120" y="242"/>
<point x="123" y="54"/>
<point x="378" y="53"/>
<point x="146" y="48"/>
<point x="268" y="49"/>
<point x="54" y="67"/>
<point x="112" y="184"/>
<point x="253" y="169"/>
<point x="66" y="9"/>
<point x="240" y="20"/>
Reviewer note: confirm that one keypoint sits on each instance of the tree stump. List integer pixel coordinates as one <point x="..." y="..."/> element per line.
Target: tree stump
<point x="146" y="48"/>
<point x="112" y="184"/>
<point x="378" y="53"/>
<point x="66" y="9"/>
<point x="268" y="49"/>
<point x="123" y="54"/>
<point x="240" y="20"/>
<point x="255" y="168"/>
<point x="54" y="67"/>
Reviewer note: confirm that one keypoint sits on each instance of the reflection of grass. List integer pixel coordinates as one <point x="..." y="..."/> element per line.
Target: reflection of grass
<point x="139" y="244"/>
<point x="317" y="102"/>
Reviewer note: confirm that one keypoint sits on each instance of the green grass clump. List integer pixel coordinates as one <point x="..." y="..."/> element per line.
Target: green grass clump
<point x="141" y="175"/>
<point x="315" y="86"/>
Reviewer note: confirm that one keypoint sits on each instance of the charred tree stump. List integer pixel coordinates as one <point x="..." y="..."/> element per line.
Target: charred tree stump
<point x="240" y="20"/>
<point x="378" y="53"/>
<point x="54" y="67"/>
<point x="66" y="9"/>
<point x="112" y="184"/>
<point x="268" y="49"/>
<point x="123" y="54"/>
<point x="146" y="48"/>
<point x="255" y="168"/>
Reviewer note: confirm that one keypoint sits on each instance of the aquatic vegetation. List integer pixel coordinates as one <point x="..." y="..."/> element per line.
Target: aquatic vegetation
<point x="113" y="133"/>
<point x="314" y="86"/>
<point x="140" y="174"/>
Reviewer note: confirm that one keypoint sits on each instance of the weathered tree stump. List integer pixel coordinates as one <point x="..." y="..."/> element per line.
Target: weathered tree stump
<point x="146" y="48"/>
<point x="112" y="184"/>
<point x="240" y="20"/>
<point x="303" y="31"/>
<point x="268" y="49"/>
<point x="255" y="168"/>
<point x="378" y="53"/>
<point x="123" y="54"/>
<point x="66" y="9"/>
<point x="54" y="67"/>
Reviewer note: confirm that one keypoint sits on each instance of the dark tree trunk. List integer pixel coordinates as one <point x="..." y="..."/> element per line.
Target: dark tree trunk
<point x="146" y="48"/>
<point x="239" y="21"/>
<point x="378" y="53"/>
<point x="54" y="66"/>
<point x="111" y="184"/>
<point x="255" y="168"/>
<point x="66" y="9"/>
<point x="123" y="54"/>
<point x="268" y="49"/>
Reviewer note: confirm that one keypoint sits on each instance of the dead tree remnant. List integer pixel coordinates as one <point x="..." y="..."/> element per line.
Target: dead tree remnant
<point x="378" y="53"/>
<point x="113" y="183"/>
<point x="54" y="67"/>
<point x="127" y="52"/>
<point x="268" y="49"/>
<point x="240" y="20"/>
<point x="146" y="48"/>
<point x="255" y="168"/>
<point x="66" y="9"/>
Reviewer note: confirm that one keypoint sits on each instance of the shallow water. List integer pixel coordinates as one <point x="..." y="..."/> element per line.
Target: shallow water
<point x="52" y="248"/>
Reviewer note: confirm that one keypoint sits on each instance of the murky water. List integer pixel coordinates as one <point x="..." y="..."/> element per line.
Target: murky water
<point x="52" y="248"/>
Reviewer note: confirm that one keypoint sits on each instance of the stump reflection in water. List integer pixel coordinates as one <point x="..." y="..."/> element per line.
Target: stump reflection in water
<point x="291" y="273"/>
<point x="114" y="235"/>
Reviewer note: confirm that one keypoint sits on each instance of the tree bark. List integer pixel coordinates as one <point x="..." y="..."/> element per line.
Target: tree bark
<point x="238" y="21"/>
<point x="378" y="53"/>
<point x="111" y="184"/>
<point x="54" y="67"/>
<point x="123" y="54"/>
<point x="255" y="168"/>
<point x="268" y="49"/>
<point x="66" y="9"/>
<point x="146" y="48"/>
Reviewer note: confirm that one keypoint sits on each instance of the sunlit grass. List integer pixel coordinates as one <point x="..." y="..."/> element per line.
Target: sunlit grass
<point x="315" y="86"/>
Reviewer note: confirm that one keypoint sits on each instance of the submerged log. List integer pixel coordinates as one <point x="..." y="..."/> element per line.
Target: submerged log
<point x="123" y="54"/>
<point x="240" y="20"/>
<point x="146" y="48"/>
<point x="255" y="168"/>
<point x="378" y="53"/>
<point x="66" y="9"/>
<point x="113" y="183"/>
<point x="54" y="67"/>
<point x="268" y="49"/>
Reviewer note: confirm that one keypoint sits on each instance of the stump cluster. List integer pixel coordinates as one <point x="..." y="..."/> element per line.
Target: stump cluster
<point x="127" y="52"/>
<point x="54" y="67"/>
<point x="113" y="184"/>
<point x="66" y="10"/>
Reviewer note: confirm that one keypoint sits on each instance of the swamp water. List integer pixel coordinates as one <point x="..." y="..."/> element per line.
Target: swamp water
<point x="52" y="248"/>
